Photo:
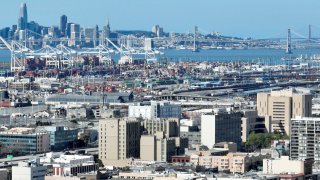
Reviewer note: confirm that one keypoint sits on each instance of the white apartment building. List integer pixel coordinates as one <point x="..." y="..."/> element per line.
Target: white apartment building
<point x="155" y="110"/>
<point x="305" y="139"/>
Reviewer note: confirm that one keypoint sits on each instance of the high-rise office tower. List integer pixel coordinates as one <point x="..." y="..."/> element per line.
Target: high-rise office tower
<point x="283" y="105"/>
<point x="63" y="24"/>
<point x="68" y="30"/>
<point x="23" y="17"/>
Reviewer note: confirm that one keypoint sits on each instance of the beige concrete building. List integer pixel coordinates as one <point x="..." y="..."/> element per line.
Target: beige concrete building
<point x="284" y="165"/>
<point x="237" y="162"/>
<point x="165" y="147"/>
<point x="230" y="146"/>
<point x="170" y="126"/>
<point x="248" y="119"/>
<point x="119" y="139"/>
<point x="158" y="147"/>
<point x="283" y="105"/>
<point x="251" y="122"/>
<point x="232" y="162"/>
<point x="148" y="150"/>
<point x="161" y="140"/>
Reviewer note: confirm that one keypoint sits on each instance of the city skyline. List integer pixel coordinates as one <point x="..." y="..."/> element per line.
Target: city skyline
<point x="236" y="20"/>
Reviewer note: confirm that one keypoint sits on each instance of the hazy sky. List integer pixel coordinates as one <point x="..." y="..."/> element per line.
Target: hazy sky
<point x="245" y="18"/>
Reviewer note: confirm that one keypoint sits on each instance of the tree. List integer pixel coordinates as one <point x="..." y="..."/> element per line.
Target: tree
<point x="276" y="135"/>
<point x="258" y="141"/>
<point x="85" y="138"/>
<point x="99" y="161"/>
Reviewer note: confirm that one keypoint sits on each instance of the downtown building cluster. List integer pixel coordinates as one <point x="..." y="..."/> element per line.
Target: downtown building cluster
<point x="69" y="33"/>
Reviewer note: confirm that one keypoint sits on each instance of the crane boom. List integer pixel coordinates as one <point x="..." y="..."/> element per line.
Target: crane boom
<point x="6" y="43"/>
<point x="119" y="49"/>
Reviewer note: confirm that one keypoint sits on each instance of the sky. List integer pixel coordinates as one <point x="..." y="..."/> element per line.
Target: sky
<point x="241" y="18"/>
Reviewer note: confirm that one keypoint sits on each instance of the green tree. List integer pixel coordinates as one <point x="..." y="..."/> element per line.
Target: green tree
<point x="276" y="135"/>
<point x="99" y="161"/>
<point x="258" y="141"/>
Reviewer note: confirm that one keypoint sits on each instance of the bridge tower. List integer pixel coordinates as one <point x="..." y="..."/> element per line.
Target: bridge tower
<point x="288" y="48"/>
<point x="309" y="38"/>
<point x="195" y="47"/>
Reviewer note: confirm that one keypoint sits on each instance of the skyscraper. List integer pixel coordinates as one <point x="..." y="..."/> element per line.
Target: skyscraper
<point x="63" y="24"/>
<point x="74" y="34"/>
<point x="23" y="17"/>
<point x="68" y="30"/>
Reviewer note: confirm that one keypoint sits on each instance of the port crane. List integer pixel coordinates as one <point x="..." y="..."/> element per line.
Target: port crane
<point x="125" y="55"/>
<point x="63" y="56"/>
<point x="18" y="54"/>
<point x="103" y="52"/>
